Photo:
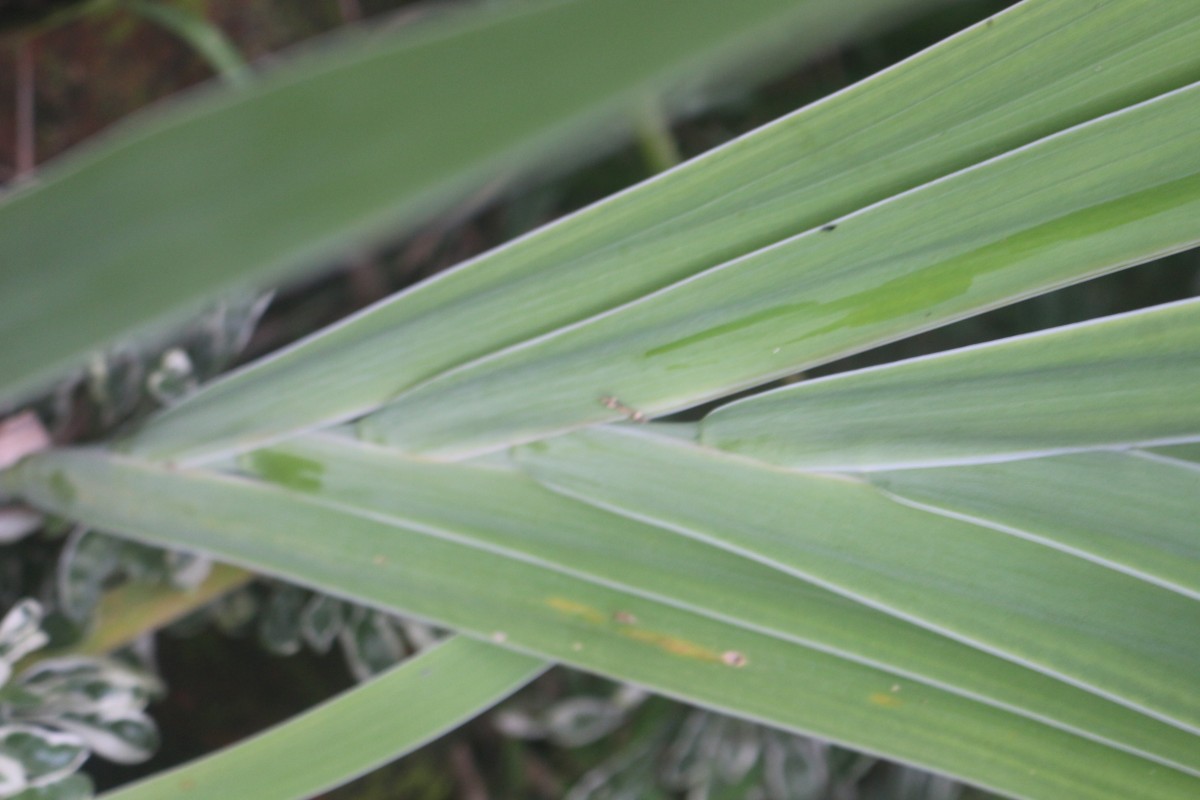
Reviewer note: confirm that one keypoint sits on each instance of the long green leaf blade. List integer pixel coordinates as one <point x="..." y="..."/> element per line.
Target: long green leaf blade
<point x="603" y="630"/>
<point x="237" y="188"/>
<point x="1119" y="381"/>
<point x="208" y="40"/>
<point x="1036" y="69"/>
<point x="1103" y="630"/>
<point x="1179" y="452"/>
<point x="1107" y="194"/>
<point x="1124" y="510"/>
<point x="364" y="728"/>
<point x="504" y="512"/>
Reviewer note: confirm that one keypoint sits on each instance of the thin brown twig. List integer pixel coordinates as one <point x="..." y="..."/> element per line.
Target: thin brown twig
<point x="541" y="777"/>
<point x="466" y="773"/>
<point x="351" y="10"/>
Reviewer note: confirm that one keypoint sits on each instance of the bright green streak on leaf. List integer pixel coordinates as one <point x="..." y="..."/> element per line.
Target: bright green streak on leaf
<point x="1034" y="70"/>
<point x="360" y="730"/>
<point x="1117" y="191"/>
<point x="239" y="188"/>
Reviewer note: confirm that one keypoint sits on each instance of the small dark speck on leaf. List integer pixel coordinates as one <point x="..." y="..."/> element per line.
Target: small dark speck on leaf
<point x="827" y="228"/>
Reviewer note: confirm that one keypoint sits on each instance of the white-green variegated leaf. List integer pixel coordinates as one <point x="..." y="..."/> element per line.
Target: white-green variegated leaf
<point x="31" y="756"/>
<point x="20" y="634"/>
<point x="72" y="787"/>
<point x="124" y="737"/>
<point x="88" y="685"/>
<point x="321" y="620"/>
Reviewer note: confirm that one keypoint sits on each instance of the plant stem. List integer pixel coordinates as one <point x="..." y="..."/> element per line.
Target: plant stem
<point x="655" y="140"/>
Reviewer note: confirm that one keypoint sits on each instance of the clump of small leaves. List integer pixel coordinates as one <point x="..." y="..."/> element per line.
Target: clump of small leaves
<point x="57" y="712"/>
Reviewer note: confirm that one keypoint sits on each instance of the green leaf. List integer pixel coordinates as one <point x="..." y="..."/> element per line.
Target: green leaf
<point x="369" y="642"/>
<point x="133" y="610"/>
<point x="72" y="787"/>
<point x="1113" y="192"/>
<point x="1119" y="381"/>
<point x="504" y="512"/>
<point x="1179" y="452"/>
<point x="89" y="563"/>
<point x="201" y="35"/>
<point x="355" y="732"/>
<point x="100" y="702"/>
<point x="32" y="756"/>
<point x="321" y="620"/>
<point x="1034" y="70"/>
<point x="1090" y="626"/>
<point x="279" y="622"/>
<point x="20" y="634"/>
<point x="538" y="610"/>
<point x="1123" y="510"/>
<point x="233" y="189"/>
<point x="125" y="737"/>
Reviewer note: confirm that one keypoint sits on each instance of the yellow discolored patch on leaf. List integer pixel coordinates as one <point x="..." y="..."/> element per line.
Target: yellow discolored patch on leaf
<point x="581" y="610"/>
<point x="627" y="627"/>
<point x="885" y="700"/>
<point x="673" y="644"/>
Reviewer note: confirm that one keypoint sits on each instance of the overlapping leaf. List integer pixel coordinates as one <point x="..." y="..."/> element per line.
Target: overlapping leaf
<point x="1094" y="627"/>
<point x="513" y="517"/>
<point x="1123" y="510"/>
<point x="334" y="743"/>
<point x="1032" y="71"/>
<point x="1126" y="380"/>
<point x="961" y="619"/>
<point x="556" y="615"/>
<point x="376" y="131"/>
<point x="1110" y="193"/>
